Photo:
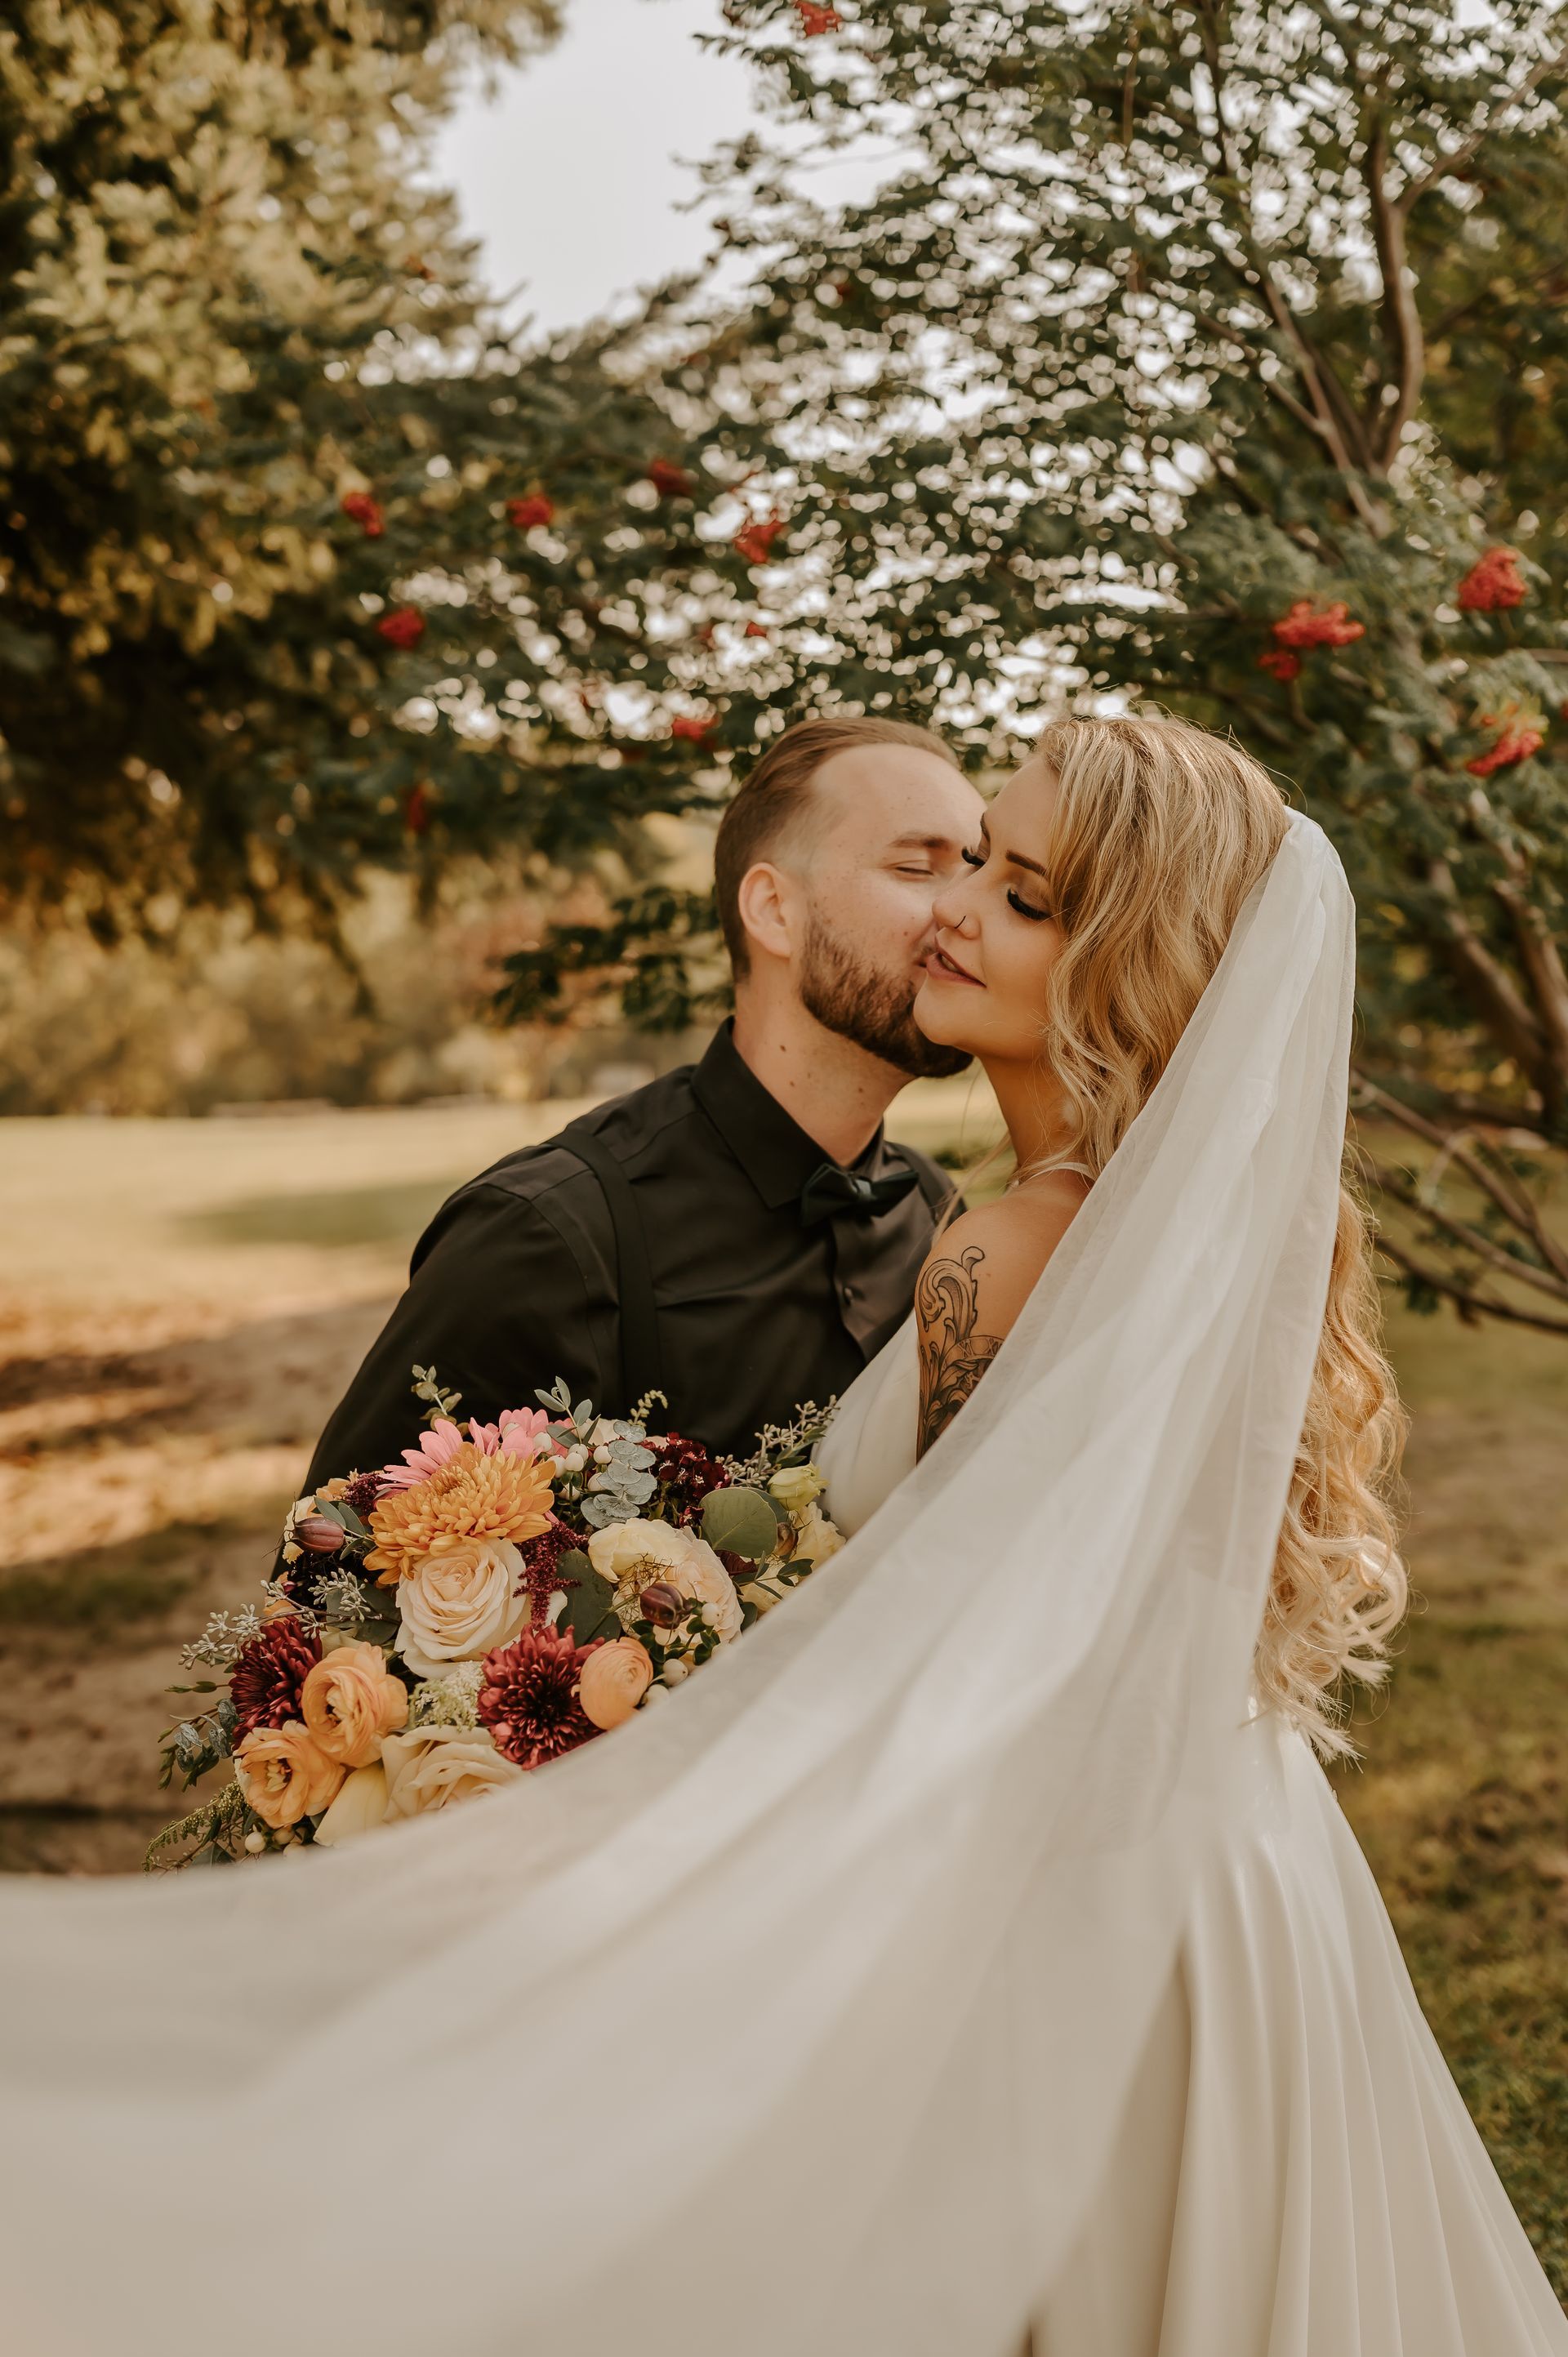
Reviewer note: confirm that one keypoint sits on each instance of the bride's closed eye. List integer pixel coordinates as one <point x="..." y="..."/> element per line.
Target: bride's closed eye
<point x="1015" y="899"/>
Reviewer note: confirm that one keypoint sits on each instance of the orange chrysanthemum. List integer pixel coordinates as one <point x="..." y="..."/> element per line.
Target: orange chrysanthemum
<point x="471" y="1496"/>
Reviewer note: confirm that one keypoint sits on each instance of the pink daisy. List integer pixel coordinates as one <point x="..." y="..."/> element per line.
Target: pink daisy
<point x="520" y="1432"/>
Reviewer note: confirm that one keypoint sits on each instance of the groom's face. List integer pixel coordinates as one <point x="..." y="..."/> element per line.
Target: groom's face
<point x="888" y="827"/>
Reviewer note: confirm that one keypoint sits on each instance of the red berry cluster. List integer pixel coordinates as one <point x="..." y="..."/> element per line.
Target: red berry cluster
<point x="403" y="628"/>
<point x="361" y="509"/>
<point x="690" y="727"/>
<point x="816" y="19"/>
<point x="527" y="514"/>
<point x="1518" y="738"/>
<point x="670" y="481"/>
<point x="1492" y="583"/>
<point x="753" y="542"/>
<point x="1308" y="625"/>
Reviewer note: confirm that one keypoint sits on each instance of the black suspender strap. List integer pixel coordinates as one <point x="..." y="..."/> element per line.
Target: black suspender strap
<point x="641" y="1359"/>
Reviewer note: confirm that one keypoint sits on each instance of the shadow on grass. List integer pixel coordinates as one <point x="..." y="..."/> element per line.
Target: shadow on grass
<point x="104" y="1589"/>
<point x="334" y="1220"/>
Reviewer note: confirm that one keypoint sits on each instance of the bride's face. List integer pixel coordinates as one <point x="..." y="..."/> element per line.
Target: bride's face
<point x="996" y="938"/>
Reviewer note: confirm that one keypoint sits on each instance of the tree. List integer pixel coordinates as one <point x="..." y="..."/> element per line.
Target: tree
<point x="307" y="564"/>
<point x="1211" y="355"/>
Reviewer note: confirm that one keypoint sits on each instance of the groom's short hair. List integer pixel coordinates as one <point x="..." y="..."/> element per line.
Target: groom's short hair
<point x="776" y="800"/>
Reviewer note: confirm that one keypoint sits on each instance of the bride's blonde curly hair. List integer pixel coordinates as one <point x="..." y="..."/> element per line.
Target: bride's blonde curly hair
<point x="1159" y="832"/>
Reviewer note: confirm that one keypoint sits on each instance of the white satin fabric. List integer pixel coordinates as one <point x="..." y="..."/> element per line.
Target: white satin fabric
<point x="805" y="2011"/>
<point x="1295" y="2173"/>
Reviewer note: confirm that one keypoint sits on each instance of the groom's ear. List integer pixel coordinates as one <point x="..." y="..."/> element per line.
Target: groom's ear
<point x="769" y="905"/>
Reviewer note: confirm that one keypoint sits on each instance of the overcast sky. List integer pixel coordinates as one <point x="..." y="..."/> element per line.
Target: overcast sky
<point x="570" y="176"/>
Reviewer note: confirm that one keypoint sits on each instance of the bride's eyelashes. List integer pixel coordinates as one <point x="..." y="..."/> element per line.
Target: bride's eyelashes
<point x="1036" y="916"/>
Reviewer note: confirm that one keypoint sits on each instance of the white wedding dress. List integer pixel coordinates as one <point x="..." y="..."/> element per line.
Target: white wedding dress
<point x="953" y="1952"/>
<point x="1295" y="2173"/>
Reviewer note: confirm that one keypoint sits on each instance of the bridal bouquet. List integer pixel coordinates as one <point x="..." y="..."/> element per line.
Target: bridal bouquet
<point x="506" y="1592"/>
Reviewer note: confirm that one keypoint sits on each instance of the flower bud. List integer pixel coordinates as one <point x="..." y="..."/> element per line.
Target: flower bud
<point x="319" y="1534"/>
<point x="663" y="1605"/>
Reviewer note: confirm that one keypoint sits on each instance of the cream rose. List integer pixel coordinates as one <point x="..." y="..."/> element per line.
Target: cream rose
<point x="795" y="1486"/>
<point x="613" y="1681"/>
<point x="284" y="1774"/>
<point x="361" y="1803"/>
<point x="460" y="1603"/>
<point x="818" y="1538"/>
<point x="644" y="1549"/>
<point x="634" y="1555"/>
<point x="432" y="1766"/>
<point x="349" y="1700"/>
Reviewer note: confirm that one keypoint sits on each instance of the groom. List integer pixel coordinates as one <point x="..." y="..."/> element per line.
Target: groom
<point x="737" y="1234"/>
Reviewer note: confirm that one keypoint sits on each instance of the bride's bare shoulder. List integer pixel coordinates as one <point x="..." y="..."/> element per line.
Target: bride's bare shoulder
<point x="980" y="1272"/>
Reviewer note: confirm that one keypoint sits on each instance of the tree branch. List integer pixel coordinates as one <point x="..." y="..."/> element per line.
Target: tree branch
<point x="1311" y="365"/>
<point x="1469" y="1303"/>
<point x="1469" y="148"/>
<point x="1400" y="308"/>
<point x="1510" y="1198"/>
<point x="1392" y="1182"/>
<point x="1493" y="987"/>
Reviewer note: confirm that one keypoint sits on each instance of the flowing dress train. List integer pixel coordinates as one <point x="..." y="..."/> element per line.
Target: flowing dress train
<point x="1295" y="2173"/>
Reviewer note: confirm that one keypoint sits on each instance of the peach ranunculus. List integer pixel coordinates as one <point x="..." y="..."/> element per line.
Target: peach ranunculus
<point x="473" y="1495"/>
<point x="634" y="1555"/>
<point x="614" y="1679"/>
<point x="349" y="1700"/>
<point x="361" y="1803"/>
<point x="460" y="1604"/>
<point x="432" y="1766"/>
<point x="284" y="1774"/>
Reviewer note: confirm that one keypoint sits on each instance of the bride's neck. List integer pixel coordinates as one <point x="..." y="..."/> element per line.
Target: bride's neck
<point x="1032" y="1107"/>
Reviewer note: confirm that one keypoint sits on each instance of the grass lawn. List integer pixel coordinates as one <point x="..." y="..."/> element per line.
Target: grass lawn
<point x="1462" y="1800"/>
<point x="181" y="1302"/>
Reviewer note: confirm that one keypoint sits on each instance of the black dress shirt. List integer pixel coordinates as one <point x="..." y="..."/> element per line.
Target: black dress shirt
<point x="514" y="1283"/>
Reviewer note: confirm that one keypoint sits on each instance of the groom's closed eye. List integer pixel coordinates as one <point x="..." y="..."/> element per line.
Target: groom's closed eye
<point x="931" y="860"/>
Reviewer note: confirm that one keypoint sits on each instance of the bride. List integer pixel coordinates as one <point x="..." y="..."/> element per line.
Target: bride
<point x="976" y="1950"/>
<point x="1293" y="2170"/>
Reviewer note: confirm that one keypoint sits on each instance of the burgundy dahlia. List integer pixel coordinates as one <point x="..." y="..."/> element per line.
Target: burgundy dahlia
<point x="685" y="1473"/>
<point x="529" y="1700"/>
<point x="269" y="1671"/>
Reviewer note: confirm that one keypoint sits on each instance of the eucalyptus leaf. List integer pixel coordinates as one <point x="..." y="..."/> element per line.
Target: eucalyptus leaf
<point x="739" y="1521"/>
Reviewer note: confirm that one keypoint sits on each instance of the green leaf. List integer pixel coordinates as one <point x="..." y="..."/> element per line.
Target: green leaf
<point x="739" y="1521"/>
<point x="589" y="1605"/>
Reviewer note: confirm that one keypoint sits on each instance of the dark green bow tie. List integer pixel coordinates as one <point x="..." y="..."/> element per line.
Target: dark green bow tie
<point x="831" y="1191"/>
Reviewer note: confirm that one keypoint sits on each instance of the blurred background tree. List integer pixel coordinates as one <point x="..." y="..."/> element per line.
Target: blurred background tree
<point x="1196" y="354"/>
<point x="307" y="564"/>
<point x="1210" y="356"/>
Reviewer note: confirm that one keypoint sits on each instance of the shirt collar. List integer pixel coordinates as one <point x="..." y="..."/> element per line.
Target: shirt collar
<point x="769" y="1144"/>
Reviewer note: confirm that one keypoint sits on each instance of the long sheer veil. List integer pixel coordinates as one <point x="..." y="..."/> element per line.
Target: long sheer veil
<point x="797" y="2013"/>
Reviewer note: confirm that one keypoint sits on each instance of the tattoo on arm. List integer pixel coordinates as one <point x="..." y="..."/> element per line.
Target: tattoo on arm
<point x="953" y="1356"/>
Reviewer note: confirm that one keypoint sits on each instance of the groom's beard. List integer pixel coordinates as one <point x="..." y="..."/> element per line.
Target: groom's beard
<point x="849" y="996"/>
